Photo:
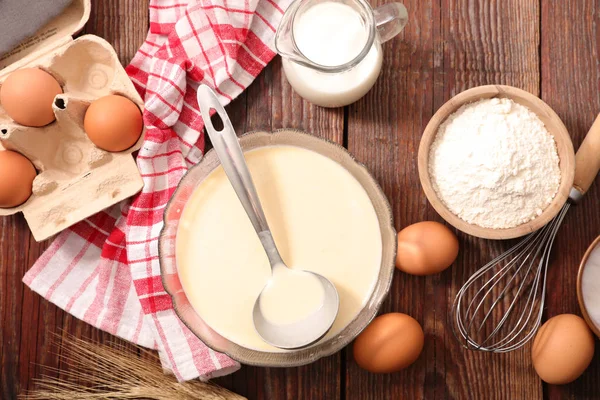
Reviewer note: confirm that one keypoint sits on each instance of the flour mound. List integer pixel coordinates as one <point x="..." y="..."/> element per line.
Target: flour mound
<point x="494" y="164"/>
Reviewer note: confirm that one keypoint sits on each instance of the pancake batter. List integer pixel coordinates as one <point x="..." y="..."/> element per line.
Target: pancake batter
<point x="321" y="218"/>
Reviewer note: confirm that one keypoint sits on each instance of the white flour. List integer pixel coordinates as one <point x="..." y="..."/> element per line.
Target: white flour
<point x="494" y="164"/>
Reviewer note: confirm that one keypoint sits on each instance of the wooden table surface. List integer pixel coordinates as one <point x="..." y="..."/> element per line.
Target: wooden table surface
<point x="549" y="48"/>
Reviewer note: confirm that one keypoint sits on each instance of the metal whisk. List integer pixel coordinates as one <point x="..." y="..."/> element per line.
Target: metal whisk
<point x="499" y="309"/>
<point x="511" y="269"/>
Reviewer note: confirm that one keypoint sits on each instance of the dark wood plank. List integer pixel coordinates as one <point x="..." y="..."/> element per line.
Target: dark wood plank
<point x="28" y="322"/>
<point x="447" y="47"/>
<point x="271" y="104"/>
<point x="124" y="24"/>
<point x="14" y="241"/>
<point x="570" y="85"/>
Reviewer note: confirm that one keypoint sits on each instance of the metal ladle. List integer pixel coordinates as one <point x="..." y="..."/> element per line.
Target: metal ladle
<point x="286" y="336"/>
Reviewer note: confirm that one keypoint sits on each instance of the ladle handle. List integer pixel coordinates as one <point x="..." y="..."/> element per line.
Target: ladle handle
<point x="227" y="147"/>
<point x="587" y="159"/>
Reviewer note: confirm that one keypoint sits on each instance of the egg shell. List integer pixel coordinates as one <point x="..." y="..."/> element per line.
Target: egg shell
<point x="16" y="178"/>
<point x="390" y="343"/>
<point x="426" y="248"/>
<point x="113" y="123"/>
<point x="563" y="348"/>
<point x="27" y="96"/>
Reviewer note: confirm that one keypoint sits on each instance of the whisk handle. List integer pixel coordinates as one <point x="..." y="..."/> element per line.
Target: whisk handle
<point x="587" y="159"/>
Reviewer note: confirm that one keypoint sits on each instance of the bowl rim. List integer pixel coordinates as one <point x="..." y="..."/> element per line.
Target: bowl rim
<point x="312" y="353"/>
<point x="584" y="260"/>
<point x="492" y="91"/>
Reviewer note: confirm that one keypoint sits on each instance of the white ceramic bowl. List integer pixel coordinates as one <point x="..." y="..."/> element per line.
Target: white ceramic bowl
<point x="595" y="328"/>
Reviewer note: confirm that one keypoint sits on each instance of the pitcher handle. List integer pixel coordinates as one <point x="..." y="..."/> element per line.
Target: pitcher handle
<point x="390" y="19"/>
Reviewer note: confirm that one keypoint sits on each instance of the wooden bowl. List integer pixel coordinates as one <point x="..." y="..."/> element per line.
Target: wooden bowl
<point x="586" y="316"/>
<point x="553" y="124"/>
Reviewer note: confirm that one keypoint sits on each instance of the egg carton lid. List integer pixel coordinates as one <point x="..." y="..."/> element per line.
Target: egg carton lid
<point x="54" y="34"/>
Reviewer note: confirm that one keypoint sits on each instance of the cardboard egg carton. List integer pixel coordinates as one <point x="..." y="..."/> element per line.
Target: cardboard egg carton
<point x="75" y="178"/>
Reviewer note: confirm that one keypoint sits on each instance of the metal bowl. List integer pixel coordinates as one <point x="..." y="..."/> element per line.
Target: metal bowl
<point x="325" y="347"/>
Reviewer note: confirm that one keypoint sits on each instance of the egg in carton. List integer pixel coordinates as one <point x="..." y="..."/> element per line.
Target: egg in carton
<point x="75" y="178"/>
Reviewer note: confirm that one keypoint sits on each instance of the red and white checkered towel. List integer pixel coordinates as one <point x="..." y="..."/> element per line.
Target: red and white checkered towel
<point x="105" y="270"/>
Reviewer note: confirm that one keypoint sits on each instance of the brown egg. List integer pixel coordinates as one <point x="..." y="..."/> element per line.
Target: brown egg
<point x="27" y="96"/>
<point x="426" y="248"/>
<point x="113" y="123"/>
<point x="563" y="348"/>
<point x="390" y="343"/>
<point x="16" y="178"/>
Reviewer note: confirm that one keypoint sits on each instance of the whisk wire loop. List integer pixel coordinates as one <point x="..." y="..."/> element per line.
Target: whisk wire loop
<point x="516" y="279"/>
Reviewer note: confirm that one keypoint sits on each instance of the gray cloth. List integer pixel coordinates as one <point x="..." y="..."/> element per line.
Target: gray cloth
<point x="20" y="19"/>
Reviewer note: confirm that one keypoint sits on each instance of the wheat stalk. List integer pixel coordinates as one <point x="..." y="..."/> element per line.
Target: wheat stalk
<point x="115" y="372"/>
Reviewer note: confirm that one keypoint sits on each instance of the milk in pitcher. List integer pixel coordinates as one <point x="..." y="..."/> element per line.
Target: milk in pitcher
<point x="331" y="50"/>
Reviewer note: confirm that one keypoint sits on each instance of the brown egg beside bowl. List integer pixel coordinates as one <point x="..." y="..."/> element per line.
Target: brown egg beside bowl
<point x="426" y="248"/>
<point x="390" y="343"/>
<point x="562" y="349"/>
<point x="16" y="179"/>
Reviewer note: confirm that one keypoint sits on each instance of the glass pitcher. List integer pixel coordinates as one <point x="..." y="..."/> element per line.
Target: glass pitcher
<point x="331" y="49"/>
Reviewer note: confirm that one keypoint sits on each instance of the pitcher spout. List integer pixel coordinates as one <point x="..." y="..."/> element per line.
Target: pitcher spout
<point x="284" y="37"/>
<point x="285" y="44"/>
